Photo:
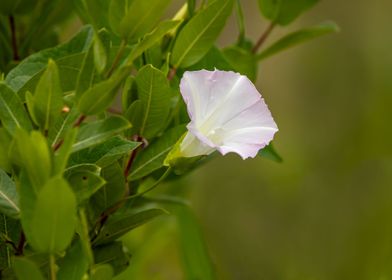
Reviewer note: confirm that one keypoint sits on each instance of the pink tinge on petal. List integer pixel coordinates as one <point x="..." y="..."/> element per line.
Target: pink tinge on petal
<point x="227" y="112"/>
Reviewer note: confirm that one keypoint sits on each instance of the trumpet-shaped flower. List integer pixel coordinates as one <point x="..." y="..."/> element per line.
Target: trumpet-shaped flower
<point x="227" y="114"/>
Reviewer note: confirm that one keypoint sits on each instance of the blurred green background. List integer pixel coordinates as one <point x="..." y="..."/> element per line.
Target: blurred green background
<point x="326" y="211"/>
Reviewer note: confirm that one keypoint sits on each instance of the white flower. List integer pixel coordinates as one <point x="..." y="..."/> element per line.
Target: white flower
<point x="227" y="114"/>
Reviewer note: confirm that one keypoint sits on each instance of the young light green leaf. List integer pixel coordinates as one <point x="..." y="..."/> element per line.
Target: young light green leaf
<point x="12" y="113"/>
<point x="9" y="199"/>
<point x="270" y="153"/>
<point x="99" y="131"/>
<point x="61" y="157"/>
<point x="134" y="114"/>
<point x="26" y="269"/>
<point x="141" y="17"/>
<point x="100" y="54"/>
<point x="154" y="155"/>
<point x="102" y="272"/>
<point x="48" y="97"/>
<point x="117" y="227"/>
<point x="196" y="260"/>
<point x="63" y="124"/>
<point x="74" y="264"/>
<point x="200" y="33"/>
<point x="54" y="217"/>
<point x="283" y="12"/>
<point x="298" y="37"/>
<point x="151" y="38"/>
<point x="99" y="97"/>
<point x="154" y="93"/>
<point x="68" y="58"/>
<point x="32" y="153"/>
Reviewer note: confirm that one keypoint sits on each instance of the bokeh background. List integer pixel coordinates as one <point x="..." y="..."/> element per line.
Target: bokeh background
<point x="326" y="211"/>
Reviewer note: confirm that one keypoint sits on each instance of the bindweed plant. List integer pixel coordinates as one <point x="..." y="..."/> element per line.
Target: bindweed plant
<point x="90" y="126"/>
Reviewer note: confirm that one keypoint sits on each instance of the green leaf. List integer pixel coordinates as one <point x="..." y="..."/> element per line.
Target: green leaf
<point x="5" y="143"/>
<point x="9" y="199"/>
<point x="100" y="54"/>
<point x="151" y="38"/>
<point x="48" y="97"/>
<point x="243" y="61"/>
<point x="74" y="264"/>
<point x="99" y="97"/>
<point x="270" y="153"/>
<point x="298" y="37"/>
<point x="116" y="227"/>
<point x="62" y="156"/>
<point x="135" y="116"/>
<point x="141" y="17"/>
<point x="33" y="154"/>
<point x="62" y="125"/>
<point x="102" y="272"/>
<point x="84" y="183"/>
<point x="113" y="190"/>
<point x="214" y="59"/>
<point x="68" y="58"/>
<point x="154" y="93"/>
<point x="54" y="217"/>
<point x="283" y="12"/>
<point x="200" y="33"/>
<point x="153" y="156"/>
<point x="12" y="113"/>
<point x="94" y="133"/>
<point x="9" y="231"/>
<point x="85" y="78"/>
<point x="112" y="254"/>
<point x="196" y="260"/>
<point x="105" y="153"/>
<point x="26" y="269"/>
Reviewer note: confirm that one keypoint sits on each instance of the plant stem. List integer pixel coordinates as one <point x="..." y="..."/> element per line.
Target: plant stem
<point x="172" y="73"/>
<point x="116" y="60"/>
<point x="263" y="37"/>
<point x="21" y="244"/>
<point x="79" y="120"/>
<point x="13" y="38"/>
<point x="132" y="158"/>
<point x="52" y="265"/>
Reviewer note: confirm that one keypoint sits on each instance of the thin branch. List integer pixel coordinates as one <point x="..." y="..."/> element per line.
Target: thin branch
<point x="171" y="74"/>
<point x="79" y="120"/>
<point x="132" y="157"/>
<point x="263" y="37"/>
<point x="13" y="38"/>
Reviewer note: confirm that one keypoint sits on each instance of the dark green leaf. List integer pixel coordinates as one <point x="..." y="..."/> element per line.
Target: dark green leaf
<point x="153" y="156"/>
<point x="153" y="91"/>
<point x="200" y="33"/>
<point x="151" y="38"/>
<point x="116" y="227"/>
<point x="26" y="269"/>
<point x="112" y="254"/>
<point x="68" y="58"/>
<point x="297" y="38"/>
<point x="12" y="113"/>
<point x="105" y="153"/>
<point x="74" y="264"/>
<point x="54" y="217"/>
<point x="86" y="75"/>
<point x="5" y="144"/>
<point x="284" y="11"/>
<point x="9" y="231"/>
<point x="141" y="17"/>
<point x="214" y="59"/>
<point x="9" y="199"/>
<point x="113" y="190"/>
<point x="100" y="53"/>
<point x="196" y="260"/>
<point x="135" y="116"/>
<point x="48" y="97"/>
<point x="94" y="133"/>
<point x="63" y="124"/>
<point x="84" y="183"/>
<point x="270" y="153"/>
